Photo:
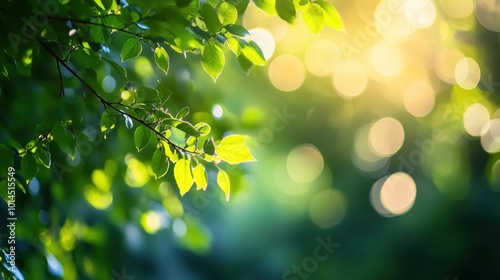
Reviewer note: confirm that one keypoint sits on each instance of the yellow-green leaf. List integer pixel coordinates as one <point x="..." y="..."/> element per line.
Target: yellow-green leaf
<point x="233" y="150"/>
<point x="200" y="177"/>
<point x="182" y="175"/>
<point x="331" y="16"/>
<point x="286" y="10"/>
<point x="253" y="52"/>
<point x="161" y="59"/>
<point x="107" y="122"/>
<point x="212" y="59"/>
<point x="313" y="17"/>
<point x="170" y="152"/>
<point x="224" y="183"/>
<point x="227" y="13"/>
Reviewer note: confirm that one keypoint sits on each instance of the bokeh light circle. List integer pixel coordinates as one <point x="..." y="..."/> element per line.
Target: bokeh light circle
<point x="398" y="193"/>
<point x="467" y="73"/>
<point x="419" y="99"/>
<point x="287" y="73"/>
<point x="476" y="116"/>
<point x="350" y="79"/>
<point x="304" y="163"/>
<point x="386" y="137"/>
<point x="327" y="208"/>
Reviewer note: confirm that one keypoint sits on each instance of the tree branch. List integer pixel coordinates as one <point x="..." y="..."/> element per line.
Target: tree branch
<point x="124" y="30"/>
<point x="108" y="104"/>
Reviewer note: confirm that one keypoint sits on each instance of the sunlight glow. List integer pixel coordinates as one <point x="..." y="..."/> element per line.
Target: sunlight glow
<point x="398" y="193"/>
<point x="420" y="13"/>
<point x="419" y="99"/>
<point x="217" y="111"/>
<point x="386" y="137"/>
<point x="446" y="63"/>
<point x="287" y="73"/>
<point x="304" y="163"/>
<point x="327" y="208"/>
<point x="350" y="79"/>
<point x="488" y="13"/>
<point x="388" y="59"/>
<point x="467" y="73"/>
<point x="476" y="116"/>
<point x="264" y="39"/>
<point x="457" y="8"/>
<point x="490" y="136"/>
<point x="322" y="56"/>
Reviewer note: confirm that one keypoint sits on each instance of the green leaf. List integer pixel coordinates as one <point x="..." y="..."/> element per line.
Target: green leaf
<point x="233" y="45"/>
<point x="182" y="175"/>
<point x="224" y="183"/>
<point x="182" y="113"/>
<point x="160" y="163"/>
<point x="131" y="48"/>
<point x="161" y="59"/>
<point x="200" y="177"/>
<point x="65" y="138"/>
<point x="108" y="122"/>
<point x="141" y="137"/>
<point x="237" y="30"/>
<point x="331" y="16"/>
<point x="29" y="166"/>
<point x="7" y="158"/>
<point x="43" y="156"/>
<point x="286" y="10"/>
<point x="203" y="127"/>
<point x="232" y="149"/>
<point x="212" y="59"/>
<point x="145" y="94"/>
<point x="170" y="152"/>
<point x="253" y="52"/>
<point x="122" y="71"/>
<point x="268" y="6"/>
<point x="313" y="17"/>
<point x="210" y="18"/>
<point x="209" y="147"/>
<point x="188" y="129"/>
<point x="228" y="14"/>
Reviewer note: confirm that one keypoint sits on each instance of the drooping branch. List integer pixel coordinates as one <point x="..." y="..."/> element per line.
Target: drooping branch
<point x="124" y="29"/>
<point x="111" y="105"/>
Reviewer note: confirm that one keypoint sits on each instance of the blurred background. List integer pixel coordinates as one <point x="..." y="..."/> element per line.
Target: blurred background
<point x="377" y="148"/>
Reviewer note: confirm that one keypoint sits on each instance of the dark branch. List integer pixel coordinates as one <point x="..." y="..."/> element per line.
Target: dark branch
<point x="108" y="104"/>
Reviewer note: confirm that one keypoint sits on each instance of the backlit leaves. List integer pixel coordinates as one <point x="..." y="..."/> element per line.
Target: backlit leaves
<point x="159" y="163"/>
<point x="286" y="10"/>
<point x="331" y="16"/>
<point x="227" y="13"/>
<point x="212" y="59"/>
<point x="233" y="150"/>
<point x="161" y="59"/>
<point x="200" y="177"/>
<point x="224" y="183"/>
<point x="313" y="17"/>
<point x="131" y="48"/>
<point x="182" y="175"/>
<point x="141" y="137"/>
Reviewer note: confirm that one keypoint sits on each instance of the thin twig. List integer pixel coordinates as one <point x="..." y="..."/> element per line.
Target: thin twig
<point x="107" y="104"/>
<point x="61" y="86"/>
<point x="124" y="30"/>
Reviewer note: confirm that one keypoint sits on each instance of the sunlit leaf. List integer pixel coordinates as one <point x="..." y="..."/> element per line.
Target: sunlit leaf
<point x="253" y="52"/>
<point x="107" y="122"/>
<point x="313" y="17"/>
<point x="131" y="48"/>
<point x="182" y="113"/>
<point x="233" y="45"/>
<point x="141" y="137"/>
<point x="286" y="10"/>
<point x="43" y="156"/>
<point x="233" y="150"/>
<point x="159" y="163"/>
<point x="331" y="15"/>
<point x="203" y="127"/>
<point x="268" y="6"/>
<point x="227" y="13"/>
<point x="200" y="177"/>
<point x="224" y="183"/>
<point x="161" y="59"/>
<point x="122" y="71"/>
<point x="212" y="59"/>
<point x="29" y="166"/>
<point x="65" y="138"/>
<point x="170" y="152"/>
<point x="237" y="30"/>
<point x="182" y="175"/>
<point x="145" y="94"/>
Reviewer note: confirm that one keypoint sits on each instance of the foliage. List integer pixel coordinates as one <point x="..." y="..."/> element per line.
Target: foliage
<point x="63" y="46"/>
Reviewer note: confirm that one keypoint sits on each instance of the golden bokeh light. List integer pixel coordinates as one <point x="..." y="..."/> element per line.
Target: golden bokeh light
<point x="467" y="73"/>
<point x="391" y="21"/>
<point x="420" y="13"/>
<point x="286" y="73"/>
<point x="495" y="176"/>
<point x="386" y="137"/>
<point x="387" y="59"/>
<point x="398" y="193"/>
<point x="375" y="199"/>
<point x="363" y="157"/>
<point x="327" y="208"/>
<point x="446" y="63"/>
<point x="322" y="56"/>
<point x="264" y="39"/>
<point x="476" y="116"/>
<point x="490" y="136"/>
<point x="457" y="8"/>
<point x="304" y="163"/>
<point x="419" y="99"/>
<point x="350" y="79"/>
